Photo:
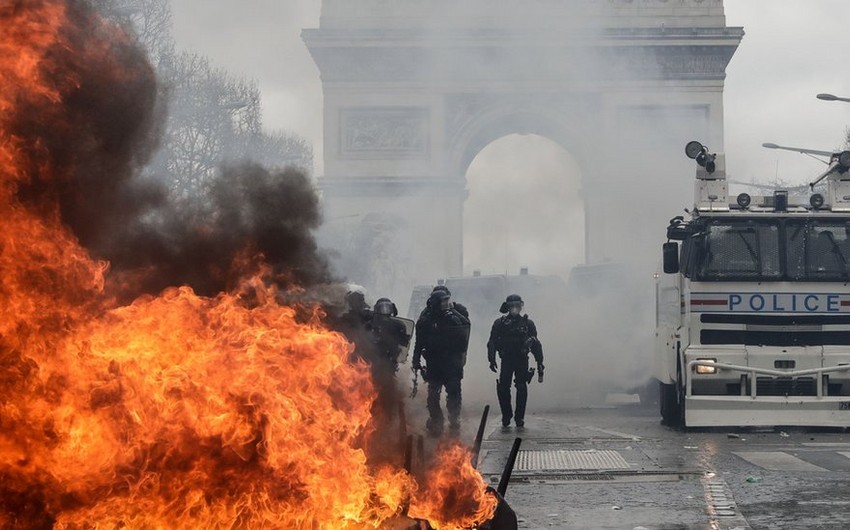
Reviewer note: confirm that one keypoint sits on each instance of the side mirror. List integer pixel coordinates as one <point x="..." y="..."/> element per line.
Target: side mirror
<point x="678" y="229"/>
<point x="670" y="252"/>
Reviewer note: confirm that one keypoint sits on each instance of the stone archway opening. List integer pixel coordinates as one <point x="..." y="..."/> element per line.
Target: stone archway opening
<point x="407" y="109"/>
<point x="524" y="208"/>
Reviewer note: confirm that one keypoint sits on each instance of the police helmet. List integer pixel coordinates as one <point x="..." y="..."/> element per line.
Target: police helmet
<point x="513" y="300"/>
<point x="385" y="306"/>
<point x="441" y="288"/>
<point x="356" y="300"/>
<point x="438" y="297"/>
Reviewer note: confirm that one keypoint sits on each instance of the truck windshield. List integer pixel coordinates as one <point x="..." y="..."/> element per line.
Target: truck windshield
<point x="738" y="250"/>
<point x="817" y="250"/>
<point x="770" y="250"/>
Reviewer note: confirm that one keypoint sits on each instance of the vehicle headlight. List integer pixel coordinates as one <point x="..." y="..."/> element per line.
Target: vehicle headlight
<point x="704" y="369"/>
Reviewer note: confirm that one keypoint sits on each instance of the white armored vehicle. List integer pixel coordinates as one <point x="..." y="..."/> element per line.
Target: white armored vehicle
<point x="753" y="306"/>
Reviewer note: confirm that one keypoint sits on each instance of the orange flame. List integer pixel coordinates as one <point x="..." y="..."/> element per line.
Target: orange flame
<point x="455" y="495"/>
<point x="176" y="411"/>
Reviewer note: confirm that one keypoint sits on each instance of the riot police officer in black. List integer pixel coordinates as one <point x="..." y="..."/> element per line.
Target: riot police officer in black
<point x="513" y="337"/>
<point x="442" y="337"/>
<point x="389" y="337"/>
<point x="453" y="304"/>
<point x="356" y="323"/>
<point x="389" y="334"/>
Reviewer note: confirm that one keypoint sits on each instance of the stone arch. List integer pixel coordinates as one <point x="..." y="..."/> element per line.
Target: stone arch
<point x="497" y="121"/>
<point x="525" y="208"/>
<point x="413" y="89"/>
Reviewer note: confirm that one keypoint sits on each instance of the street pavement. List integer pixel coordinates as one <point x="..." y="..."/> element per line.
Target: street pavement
<point x="617" y="467"/>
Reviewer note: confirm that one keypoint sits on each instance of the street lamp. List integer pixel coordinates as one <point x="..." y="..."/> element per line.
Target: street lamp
<point x="830" y="97"/>
<point x="801" y="150"/>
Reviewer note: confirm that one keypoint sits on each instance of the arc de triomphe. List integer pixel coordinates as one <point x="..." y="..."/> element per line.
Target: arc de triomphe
<point x="414" y="89"/>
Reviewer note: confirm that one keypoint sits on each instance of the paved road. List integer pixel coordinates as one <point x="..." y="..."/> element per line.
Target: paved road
<point x="618" y="468"/>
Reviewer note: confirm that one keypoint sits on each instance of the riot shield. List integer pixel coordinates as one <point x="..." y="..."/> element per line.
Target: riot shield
<point x="458" y="339"/>
<point x="404" y="348"/>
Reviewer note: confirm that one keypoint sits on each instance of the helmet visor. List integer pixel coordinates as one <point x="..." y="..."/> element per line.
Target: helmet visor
<point x="384" y="308"/>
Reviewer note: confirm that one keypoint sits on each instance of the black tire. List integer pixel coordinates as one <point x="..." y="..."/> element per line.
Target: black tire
<point x="648" y="394"/>
<point x="671" y="411"/>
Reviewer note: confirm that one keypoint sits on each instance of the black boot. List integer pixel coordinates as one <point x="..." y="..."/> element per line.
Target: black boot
<point x="434" y="428"/>
<point x="503" y="392"/>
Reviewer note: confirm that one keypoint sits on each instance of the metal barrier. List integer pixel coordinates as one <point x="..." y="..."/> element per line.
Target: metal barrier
<point x="752" y="372"/>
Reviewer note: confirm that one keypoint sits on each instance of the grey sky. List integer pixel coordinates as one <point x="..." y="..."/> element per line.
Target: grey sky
<point x="793" y="50"/>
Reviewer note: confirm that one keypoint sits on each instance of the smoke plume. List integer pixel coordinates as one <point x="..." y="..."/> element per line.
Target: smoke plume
<point x="85" y="146"/>
<point x="249" y="212"/>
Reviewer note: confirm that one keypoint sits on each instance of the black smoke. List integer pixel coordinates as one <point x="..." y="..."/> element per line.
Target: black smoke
<point x="85" y="149"/>
<point x="84" y="143"/>
<point x="250" y="215"/>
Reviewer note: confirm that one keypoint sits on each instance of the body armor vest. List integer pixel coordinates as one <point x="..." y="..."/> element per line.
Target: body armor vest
<point x="513" y="335"/>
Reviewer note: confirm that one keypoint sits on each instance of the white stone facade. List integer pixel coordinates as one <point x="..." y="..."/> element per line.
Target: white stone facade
<point x="414" y="89"/>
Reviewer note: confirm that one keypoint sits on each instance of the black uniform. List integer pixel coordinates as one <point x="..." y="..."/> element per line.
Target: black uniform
<point x="442" y="337"/>
<point x="390" y="337"/>
<point x="513" y="337"/>
<point x="356" y="325"/>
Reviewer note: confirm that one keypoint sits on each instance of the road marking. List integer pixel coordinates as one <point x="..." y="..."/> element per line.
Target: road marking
<point x="609" y="432"/>
<point x="722" y="511"/>
<point x="844" y="453"/>
<point x="777" y="461"/>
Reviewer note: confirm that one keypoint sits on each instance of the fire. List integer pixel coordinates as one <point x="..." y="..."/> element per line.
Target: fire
<point x="177" y="410"/>
<point x="455" y="496"/>
<point x="188" y="398"/>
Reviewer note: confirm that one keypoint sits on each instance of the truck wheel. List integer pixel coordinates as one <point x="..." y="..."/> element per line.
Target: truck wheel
<point x="671" y="413"/>
<point x="648" y="394"/>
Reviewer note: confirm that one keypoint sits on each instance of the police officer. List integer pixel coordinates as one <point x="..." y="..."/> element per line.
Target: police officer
<point x="358" y="313"/>
<point x="456" y="305"/>
<point x="355" y="323"/>
<point x="442" y="337"/>
<point x="389" y="334"/>
<point x="513" y="336"/>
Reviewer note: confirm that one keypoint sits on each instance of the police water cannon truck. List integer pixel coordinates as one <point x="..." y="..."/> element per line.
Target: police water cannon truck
<point x="753" y="305"/>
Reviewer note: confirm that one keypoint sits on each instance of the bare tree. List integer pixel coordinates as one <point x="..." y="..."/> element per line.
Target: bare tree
<point x="149" y="20"/>
<point x="282" y="149"/>
<point x="216" y="118"/>
<point x="213" y="116"/>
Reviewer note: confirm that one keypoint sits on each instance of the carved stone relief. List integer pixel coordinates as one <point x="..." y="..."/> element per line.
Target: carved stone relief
<point x="333" y="6"/>
<point x="340" y="9"/>
<point x="384" y="132"/>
